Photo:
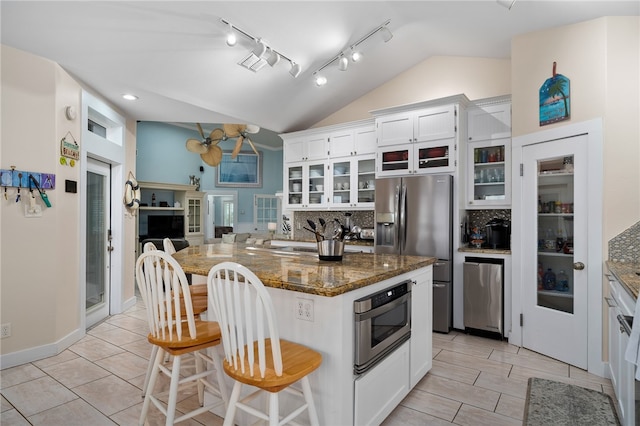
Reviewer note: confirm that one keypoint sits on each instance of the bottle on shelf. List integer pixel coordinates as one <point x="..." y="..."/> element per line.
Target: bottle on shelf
<point x="153" y="199"/>
<point x="540" y="274"/>
<point x="549" y="280"/>
<point x="562" y="281"/>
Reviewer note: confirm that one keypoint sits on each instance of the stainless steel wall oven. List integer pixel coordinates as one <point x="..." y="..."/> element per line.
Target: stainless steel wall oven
<point x="382" y="323"/>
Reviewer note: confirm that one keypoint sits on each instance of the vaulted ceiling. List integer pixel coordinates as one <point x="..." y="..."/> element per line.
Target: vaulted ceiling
<point x="173" y="55"/>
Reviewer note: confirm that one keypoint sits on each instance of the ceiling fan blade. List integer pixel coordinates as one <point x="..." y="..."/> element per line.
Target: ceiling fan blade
<point x="236" y="150"/>
<point x="232" y="130"/>
<point x="200" y="130"/>
<point x="194" y="145"/>
<point x="252" y="146"/>
<point x="216" y="136"/>
<point x="213" y="156"/>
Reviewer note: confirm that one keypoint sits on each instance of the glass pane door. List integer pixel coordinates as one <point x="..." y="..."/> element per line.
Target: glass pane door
<point x="555" y="233"/>
<point x="98" y="247"/>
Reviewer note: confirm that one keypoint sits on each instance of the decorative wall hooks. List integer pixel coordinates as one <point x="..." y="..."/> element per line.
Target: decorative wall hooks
<point x="27" y="180"/>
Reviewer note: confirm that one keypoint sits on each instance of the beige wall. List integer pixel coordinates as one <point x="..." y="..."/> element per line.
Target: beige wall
<point x="40" y="282"/>
<point x="434" y="78"/>
<point x="39" y="265"/>
<point x="600" y="57"/>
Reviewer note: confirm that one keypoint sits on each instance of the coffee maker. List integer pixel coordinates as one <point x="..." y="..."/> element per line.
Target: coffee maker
<point x="498" y="234"/>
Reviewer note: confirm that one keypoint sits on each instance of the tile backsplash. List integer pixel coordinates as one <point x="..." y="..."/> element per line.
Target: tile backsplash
<point x="481" y="217"/>
<point x="363" y="219"/>
<point x="625" y="247"/>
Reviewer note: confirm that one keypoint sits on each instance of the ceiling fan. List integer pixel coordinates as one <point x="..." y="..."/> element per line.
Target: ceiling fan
<point x="208" y="148"/>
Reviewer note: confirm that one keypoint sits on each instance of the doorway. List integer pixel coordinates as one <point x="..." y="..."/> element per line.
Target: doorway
<point x="221" y="211"/>
<point x="98" y="242"/>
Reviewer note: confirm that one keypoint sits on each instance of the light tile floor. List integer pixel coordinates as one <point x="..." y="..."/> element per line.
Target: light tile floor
<point x="98" y="381"/>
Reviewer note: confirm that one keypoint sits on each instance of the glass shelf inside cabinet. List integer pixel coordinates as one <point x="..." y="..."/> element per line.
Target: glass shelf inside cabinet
<point x="489" y="173"/>
<point x="555" y="233"/>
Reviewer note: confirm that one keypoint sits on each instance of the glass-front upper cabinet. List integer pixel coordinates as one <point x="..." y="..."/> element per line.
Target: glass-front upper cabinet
<point x="417" y="158"/>
<point x="353" y="182"/>
<point x="489" y="174"/>
<point x="306" y="185"/>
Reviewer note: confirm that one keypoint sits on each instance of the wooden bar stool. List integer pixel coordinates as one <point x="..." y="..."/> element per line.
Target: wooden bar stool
<point x="174" y="330"/>
<point x="254" y="353"/>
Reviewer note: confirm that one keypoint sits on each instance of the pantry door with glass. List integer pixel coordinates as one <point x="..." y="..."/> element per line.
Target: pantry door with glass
<point x="555" y="291"/>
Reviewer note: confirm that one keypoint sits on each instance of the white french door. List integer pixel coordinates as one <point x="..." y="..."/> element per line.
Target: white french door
<point x="555" y="249"/>
<point x="98" y="241"/>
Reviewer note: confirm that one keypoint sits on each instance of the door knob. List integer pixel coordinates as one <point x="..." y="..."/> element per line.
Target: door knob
<point x="578" y="266"/>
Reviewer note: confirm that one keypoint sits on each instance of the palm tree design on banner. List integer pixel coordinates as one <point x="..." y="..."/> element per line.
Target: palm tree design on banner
<point x="554" y="99"/>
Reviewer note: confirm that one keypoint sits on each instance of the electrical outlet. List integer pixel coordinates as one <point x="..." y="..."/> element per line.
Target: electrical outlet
<point x="304" y="309"/>
<point x="5" y="330"/>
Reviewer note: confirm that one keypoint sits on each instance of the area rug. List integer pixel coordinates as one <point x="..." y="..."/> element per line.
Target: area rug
<point x="554" y="403"/>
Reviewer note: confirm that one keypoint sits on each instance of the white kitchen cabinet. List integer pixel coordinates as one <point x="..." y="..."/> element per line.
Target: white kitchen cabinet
<point x="416" y="158"/>
<point x="488" y="154"/>
<point x="324" y="167"/>
<point x="353" y="182"/>
<point x="489" y="119"/>
<point x="421" y="328"/>
<point x="419" y="138"/>
<point x="622" y="372"/>
<point x="489" y="174"/>
<point x="306" y="185"/>
<point x="352" y="142"/>
<point x="307" y="148"/>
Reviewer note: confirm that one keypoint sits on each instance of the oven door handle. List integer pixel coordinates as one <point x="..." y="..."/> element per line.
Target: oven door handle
<point x="382" y="309"/>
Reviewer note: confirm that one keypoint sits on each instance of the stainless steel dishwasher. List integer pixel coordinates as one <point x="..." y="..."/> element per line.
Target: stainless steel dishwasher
<point x="484" y="295"/>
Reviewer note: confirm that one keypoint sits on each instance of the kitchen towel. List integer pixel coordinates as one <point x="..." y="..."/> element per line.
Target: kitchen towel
<point x="632" y="354"/>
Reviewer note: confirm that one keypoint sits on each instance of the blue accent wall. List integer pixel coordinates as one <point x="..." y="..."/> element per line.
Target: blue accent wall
<point x="163" y="157"/>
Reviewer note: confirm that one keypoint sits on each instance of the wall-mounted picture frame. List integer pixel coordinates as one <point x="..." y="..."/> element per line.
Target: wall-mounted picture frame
<point x="244" y="171"/>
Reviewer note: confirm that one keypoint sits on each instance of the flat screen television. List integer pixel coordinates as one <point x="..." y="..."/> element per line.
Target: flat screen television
<point x="165" y="226"/>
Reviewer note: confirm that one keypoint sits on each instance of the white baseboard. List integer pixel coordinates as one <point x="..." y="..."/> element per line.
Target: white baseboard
<point x="40" y="352"/>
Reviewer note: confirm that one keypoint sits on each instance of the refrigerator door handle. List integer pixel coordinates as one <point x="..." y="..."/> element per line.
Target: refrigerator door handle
<point x="402" y="218"/>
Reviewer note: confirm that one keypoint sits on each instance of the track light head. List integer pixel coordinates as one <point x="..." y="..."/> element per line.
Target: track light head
<point x="356" y="55"/>
<point x="272" y="57"/>
<point x="343" y="63"/>
<point x="320" y="80"/>
<point x="506" y="3"/>
<point x="295" y="70"/>
<point x="231" y="37"/>
<point x="386" y="33"/>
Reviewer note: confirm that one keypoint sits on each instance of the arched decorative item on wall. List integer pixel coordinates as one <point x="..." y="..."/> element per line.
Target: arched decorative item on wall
<point x="555" y="104"/>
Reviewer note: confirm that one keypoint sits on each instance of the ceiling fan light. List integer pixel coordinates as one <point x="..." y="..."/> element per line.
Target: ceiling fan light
<point x="343" y="63"/>
<point x="386" y="34"/>
<point x="295" y="70"/>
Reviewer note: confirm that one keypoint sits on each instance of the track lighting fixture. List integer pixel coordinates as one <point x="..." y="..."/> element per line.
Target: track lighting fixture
<point x="320" y="79"/>
<point x="261" y="55"/>
<point x="355" y="54"/>
<point x="231" y="37"/>
<point x="295" y="70"/>
<point x="343" y="63"/>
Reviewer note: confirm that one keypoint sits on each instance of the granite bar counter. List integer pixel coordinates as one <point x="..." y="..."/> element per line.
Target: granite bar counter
<point x="300" y="271"/>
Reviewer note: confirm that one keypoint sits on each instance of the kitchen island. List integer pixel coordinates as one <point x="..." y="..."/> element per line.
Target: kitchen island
<point x="327" y="291"/>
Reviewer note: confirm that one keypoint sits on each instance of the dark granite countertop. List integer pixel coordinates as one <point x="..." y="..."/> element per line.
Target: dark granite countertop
<point x="626" y="274"/>
<point x="302" y="272"/>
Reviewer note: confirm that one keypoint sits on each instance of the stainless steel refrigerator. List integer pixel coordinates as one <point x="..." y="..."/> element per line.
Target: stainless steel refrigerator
<point x="413" y="216"/>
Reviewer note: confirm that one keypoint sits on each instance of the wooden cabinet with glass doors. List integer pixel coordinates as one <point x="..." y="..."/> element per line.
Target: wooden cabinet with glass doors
<point x="306" y="185"/>
<point x="353" y="182"/>
<point x="555" y="234"/>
